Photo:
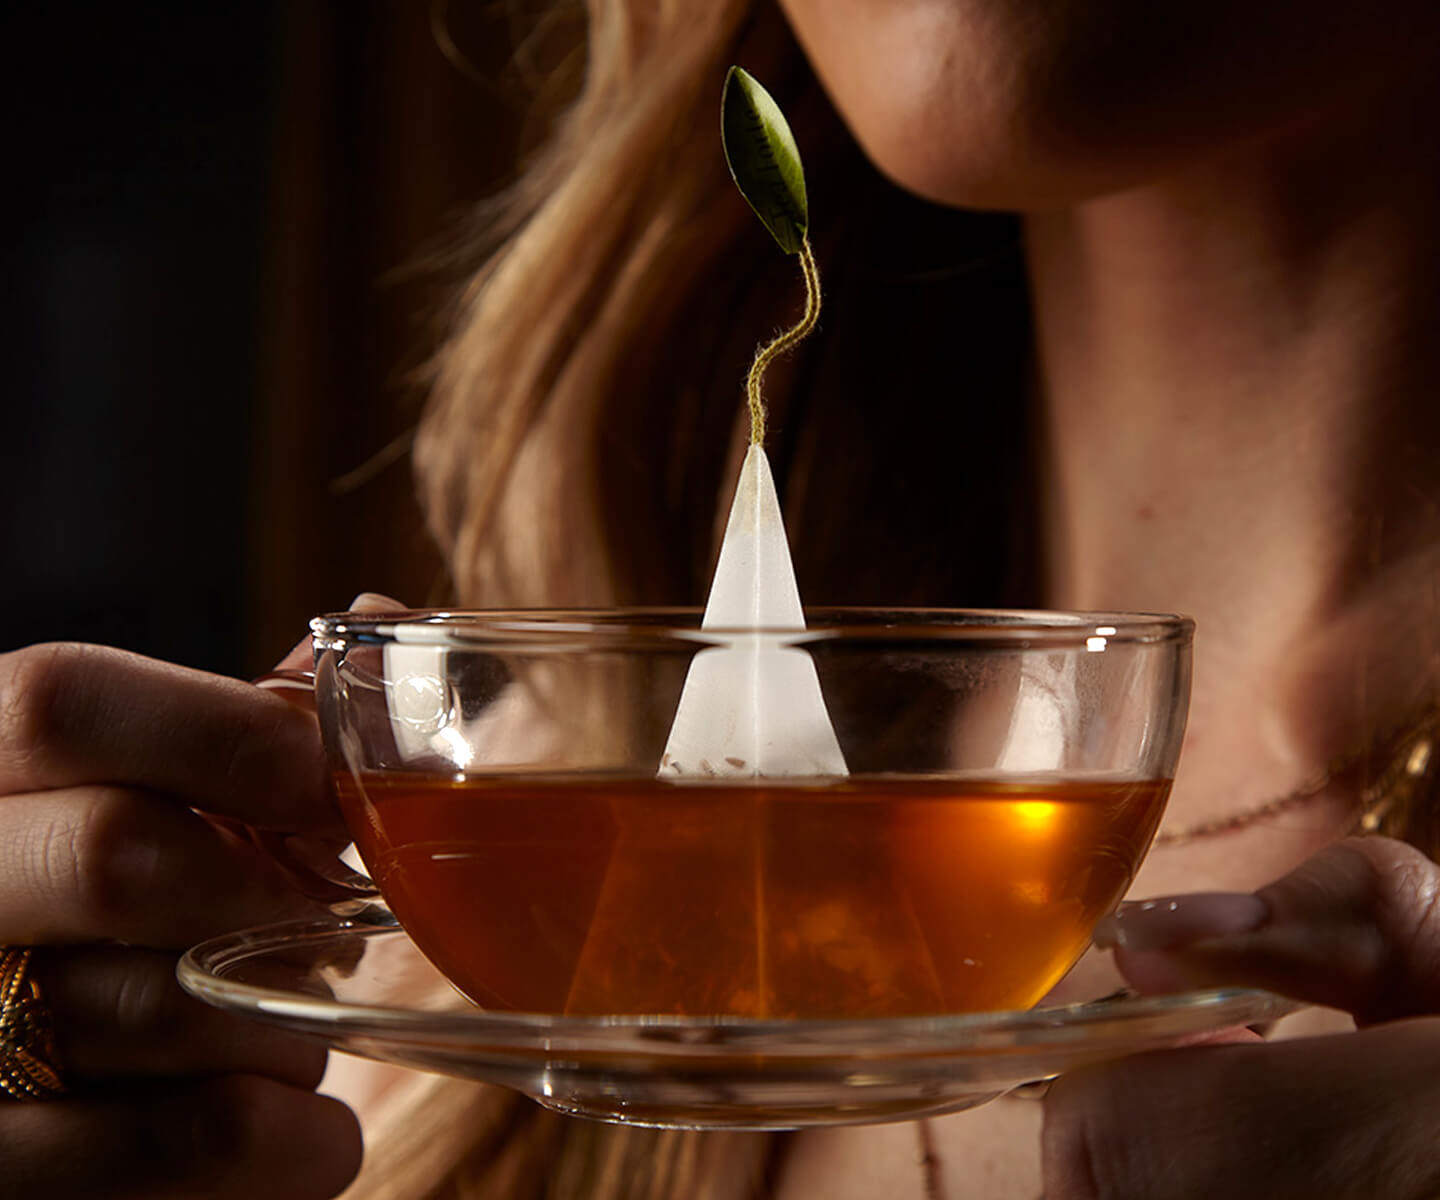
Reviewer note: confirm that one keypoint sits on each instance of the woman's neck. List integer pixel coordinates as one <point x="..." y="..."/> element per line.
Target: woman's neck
<point x="1240" y="383"/>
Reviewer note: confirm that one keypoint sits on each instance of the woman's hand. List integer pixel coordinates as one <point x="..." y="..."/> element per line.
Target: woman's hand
<point x="1353" y="1115"/>
<point x="108" y="868"/>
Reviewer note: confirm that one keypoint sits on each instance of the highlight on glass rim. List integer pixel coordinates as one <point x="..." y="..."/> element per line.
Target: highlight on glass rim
<point x="966" y="729"/>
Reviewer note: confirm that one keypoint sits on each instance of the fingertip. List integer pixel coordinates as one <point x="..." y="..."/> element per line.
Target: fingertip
<point x="293" y="1143"/>
<point x="299" y="656"/>
<point x="1351" y="928"/>
<point x="375" y="602"/>
<point x="344" y="1144"/>
<point x="298" y="798"/>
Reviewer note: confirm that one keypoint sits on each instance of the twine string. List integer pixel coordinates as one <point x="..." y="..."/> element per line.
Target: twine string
<point x="781" y="342"/>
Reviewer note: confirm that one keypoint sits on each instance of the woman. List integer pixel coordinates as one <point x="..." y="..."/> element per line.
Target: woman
<point x="1228" y="248"/>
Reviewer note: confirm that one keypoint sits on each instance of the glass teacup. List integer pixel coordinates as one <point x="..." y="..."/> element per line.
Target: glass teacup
<point x="501" y="774"/>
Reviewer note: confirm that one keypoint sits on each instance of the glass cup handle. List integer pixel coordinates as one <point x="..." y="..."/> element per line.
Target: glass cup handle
<point x="312" y="864"/>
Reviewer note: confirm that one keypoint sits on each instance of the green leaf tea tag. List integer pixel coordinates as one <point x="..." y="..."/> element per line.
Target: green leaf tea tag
<point x="765" y="164"/>
<point x="764" y="159"/>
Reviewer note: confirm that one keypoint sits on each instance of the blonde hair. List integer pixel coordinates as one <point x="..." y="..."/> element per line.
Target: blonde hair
<point x="591" y="383"/>
<point x="622" y="213"/>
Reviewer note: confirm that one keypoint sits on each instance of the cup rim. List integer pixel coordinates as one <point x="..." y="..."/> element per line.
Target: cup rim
<point x="677" y="628"/>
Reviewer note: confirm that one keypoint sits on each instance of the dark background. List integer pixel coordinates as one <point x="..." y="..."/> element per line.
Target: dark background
<point x="220" y="284"/>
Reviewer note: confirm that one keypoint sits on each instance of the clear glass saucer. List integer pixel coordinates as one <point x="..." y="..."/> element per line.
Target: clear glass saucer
<point x="366" y="990"/>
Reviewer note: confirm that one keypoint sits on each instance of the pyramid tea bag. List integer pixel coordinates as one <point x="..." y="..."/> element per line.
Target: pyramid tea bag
<point x="752" y="706"/>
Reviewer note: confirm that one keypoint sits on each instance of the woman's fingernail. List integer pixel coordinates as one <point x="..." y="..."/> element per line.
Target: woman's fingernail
<point x="374" y="602"/>
<point x="1175" y="921"/>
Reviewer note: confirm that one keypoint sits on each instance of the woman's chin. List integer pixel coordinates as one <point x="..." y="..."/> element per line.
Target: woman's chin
<point x="1008" y="172"/>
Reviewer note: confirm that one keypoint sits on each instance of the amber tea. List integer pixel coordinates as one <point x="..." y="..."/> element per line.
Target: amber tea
<point x="863" y="897"/>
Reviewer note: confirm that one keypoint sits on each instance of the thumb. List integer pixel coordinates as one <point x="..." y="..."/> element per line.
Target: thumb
<point x="308" y="861"/>
<point x="1346" y="1117"/>
<point x="302" y="654"/>
<point x="1356" y="927"/>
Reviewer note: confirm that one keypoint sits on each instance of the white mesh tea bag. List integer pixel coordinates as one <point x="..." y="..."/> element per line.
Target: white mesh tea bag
<point x="752" y="706"/>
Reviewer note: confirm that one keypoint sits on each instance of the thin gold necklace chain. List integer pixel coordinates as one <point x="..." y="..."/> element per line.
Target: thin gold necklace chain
<point x="1408" y="758"/>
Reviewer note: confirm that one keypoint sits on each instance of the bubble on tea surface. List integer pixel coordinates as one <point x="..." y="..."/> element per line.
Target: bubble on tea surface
<point x="752" y="706"/>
